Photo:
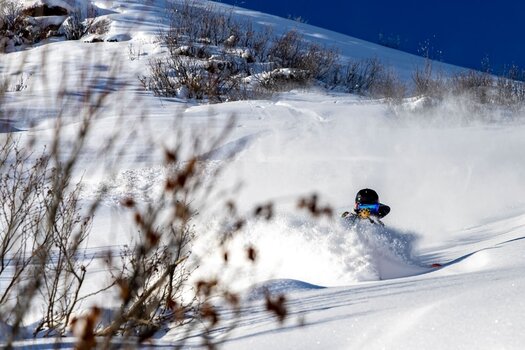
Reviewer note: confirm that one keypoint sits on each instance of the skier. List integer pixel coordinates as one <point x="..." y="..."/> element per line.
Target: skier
<point x="367" y="206"/>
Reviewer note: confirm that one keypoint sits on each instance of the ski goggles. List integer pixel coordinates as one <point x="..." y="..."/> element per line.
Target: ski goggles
<point x="372" y="208"/>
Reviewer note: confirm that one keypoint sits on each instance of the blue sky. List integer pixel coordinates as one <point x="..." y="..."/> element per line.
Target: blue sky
<point x="461" y="32"/>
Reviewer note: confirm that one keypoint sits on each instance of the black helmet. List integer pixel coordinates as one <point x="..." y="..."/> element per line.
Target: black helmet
<point x="367" y="196"/>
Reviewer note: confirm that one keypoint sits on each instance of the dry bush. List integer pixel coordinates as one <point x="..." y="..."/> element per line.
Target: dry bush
<point x="15" y="85"/>
<point x="75" y="26"/>
<point x="10" y="15"/>
<point x="65" y="272"/>
<point x="161" y="80"/>
<point x="284" y="79"/>
<point x="506" y="90"/>
<point x="99" y="26"/>
<point x="22" y="188"/>
<point x="287" y="51"/>
<point x="510" y="87"/>
<point x="292" y="51"/>
<point x="44" y="228"/>
<point x="179" y="76"/>
<point x="191" y="22"/>
<point x="43" y="232"/>
<point x="191" y="50"/>
<point x="427" y="82"/>
<point x="198" y="23"/>
<point x="472" y="89"/>
<point x="368" y="77"/>
<point x="477" y="86"/>
<point x="319" y="61"/>
<point x="134" y="53"/>
<point x="360" y="76"/>
<point x="22" y="26"/>
<point x="191" y="70"/>
<point x="80" y="23"/>
<point x="197" y="31"/>
<point x="257" y="42"/>
<point x="154" y="272"/>
<point x="23" y="244"/>
<point x="272" y="63"/>
<point x="12" y="24"/>
<point x="389" y="86"/>
<point x="293" y="62"/>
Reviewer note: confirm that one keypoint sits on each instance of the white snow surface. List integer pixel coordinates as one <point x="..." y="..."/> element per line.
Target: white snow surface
<point x="455" y="186"/>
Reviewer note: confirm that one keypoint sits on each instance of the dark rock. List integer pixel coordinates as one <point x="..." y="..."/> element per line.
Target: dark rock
<point x="45" y="10"/>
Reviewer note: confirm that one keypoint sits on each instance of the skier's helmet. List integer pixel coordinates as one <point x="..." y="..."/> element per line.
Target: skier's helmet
<point x="366" y="196"/>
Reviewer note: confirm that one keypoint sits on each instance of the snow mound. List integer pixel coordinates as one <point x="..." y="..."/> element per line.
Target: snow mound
<point x="279" y="286"/>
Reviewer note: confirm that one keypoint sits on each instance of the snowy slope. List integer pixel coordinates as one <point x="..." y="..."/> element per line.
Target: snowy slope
<point x="474" y="303"/>
<point x="455" y="187"/>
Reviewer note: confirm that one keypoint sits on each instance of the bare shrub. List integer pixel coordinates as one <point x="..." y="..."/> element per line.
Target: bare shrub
<point x="389" y="86"/>
<point x="477" y="86"/>
<point x="15" y="85"/>
<point x="359" y="76"/>
<point x="12" y="25"/>
<point x="191" y="50"/>
<point x="154" y="271"/>
<point x="307" y="61"/>
<point x="99" y="26"/>
<point x="195" y="22"/>
<point x="505" y="90"/>
<point x="478" y="91"/>
<point x="43" y="226"/>
<point x="271" y="63"/>
<point x="73" y="26"/>
<point x="510" y="87"/>
<point x="21" y="26"/>
<point x="204" y="61"/>
<point x="134" y="53"/>
<point x="65" y="272"/>
<point x="190" y="78"/>
<point x="287" y="50"/>
<point x="283" y="79"/>
<point x="258" y="42"/>
<point x="10" y="14"/>
<point x="22" y="187"/>
<point x="79" y="24"/>
<point x="154" y="275"/>
<point x="319" y="61"/>
<point x="368" y="77"/>
<point x="191" y="22"/>
<point x="43" y="235"/>
<point x="24" y="245"/>
<point x="427" y="82"/>
<point x="161" y="80"/>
